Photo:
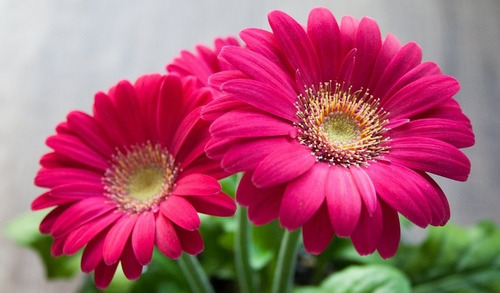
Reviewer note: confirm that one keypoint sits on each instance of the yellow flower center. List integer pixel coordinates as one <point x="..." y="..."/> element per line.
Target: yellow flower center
<point x="341" y="127"/>
<point x="142" y="177"/>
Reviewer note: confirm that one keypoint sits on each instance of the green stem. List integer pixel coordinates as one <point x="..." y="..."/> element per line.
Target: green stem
<point x="196" y="277"/>
<point x="287" y="260"/>
<point x="242" y="252"/>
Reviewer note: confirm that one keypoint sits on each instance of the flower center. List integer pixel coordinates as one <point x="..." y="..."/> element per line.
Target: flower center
<point x="142" y="177"/>
<point x="341" y="127"/>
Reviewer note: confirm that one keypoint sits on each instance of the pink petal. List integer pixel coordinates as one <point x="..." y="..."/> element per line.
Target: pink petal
<point x="220" y="106"/>
<point x="368" y="43"/>
<point x="105" y="114"/>
<point x="389" y="49"/>
<point x="47" y="200"/>
<point x="86" y="127"/>
<point x="75" y="149"/>
<point x="143" y="237"/>
<point x="191" y="241"/>
<point x="421" y="95"/>
<point x="317" y="233"/>
<point x="324" y="32"/>
<point x="132" y="269"/>
<point x="168" y="108"/>
<point x="391" y="232"/>
<point x="220" y="205"/>
<point x="259" y="68"/>
<point x="348" y="28"/>
<point x="216" y="148"/>
<point x="189" y="124"/>
<point x="265" y="211"/>
<point x="117" y="237"/>
<point x="365" y="188"/>
<point x="240" y="123"/>
<point x="104" y="274"/>
<point x="56" y="249"/>
<point x="147" y="88"/>
<point x="248" y="154"/>
<point x="430" y="155"/>
<point x="49" y="177"/>
<point x="80" y="213"/>
<point x="303" y="197"/>
<point x="453" y="132"/>
<point x="264" y="43"/>
<point x="166" y="238"/>
<point x="343" y="200"/>
<point x="85" y="233"/>
<point x="346" y="68"/>
<point x="247" y="194"/>
<point x="296" y="46"/>
<point x="49" y="220"/>
<point x="367" y="235"/>
<point x="92" y="255"/>
<point x="204" y="165"/>
<point x="419" y="71"/>
<point x="263" y="96"/>
<point x="440" y="209"/>
<point x="285" y="163"/>
<point x="181" y="212"/>
<point x="401" y="189"/>
<point x="127" y="106"/>
<point x="406" y="59"/>
<point x="196" y="184"/>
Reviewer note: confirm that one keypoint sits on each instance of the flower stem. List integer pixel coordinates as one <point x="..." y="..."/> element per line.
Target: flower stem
<point x="196" y="277"/>
<point x="242" y="252"/>
<point x="287" y="260"/>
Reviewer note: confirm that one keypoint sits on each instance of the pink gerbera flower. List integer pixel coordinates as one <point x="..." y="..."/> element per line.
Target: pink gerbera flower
<point x="336" y="130"/>
<point x="131" y="176"/>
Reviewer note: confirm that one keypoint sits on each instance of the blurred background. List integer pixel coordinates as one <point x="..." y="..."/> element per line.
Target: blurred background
<point x="54" y="55"/>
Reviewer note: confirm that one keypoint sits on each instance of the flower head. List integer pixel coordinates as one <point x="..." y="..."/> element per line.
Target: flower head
<point x="337" y="130"/>
<point x="131" y="176"/>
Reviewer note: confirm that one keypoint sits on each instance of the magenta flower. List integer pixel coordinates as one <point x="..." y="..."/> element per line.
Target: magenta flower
<point x="131" y="176"/>
<point x="336" y="130"/>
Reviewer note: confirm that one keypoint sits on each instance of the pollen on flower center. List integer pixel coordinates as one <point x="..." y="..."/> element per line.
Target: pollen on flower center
<point x="139" y="179"/>
<point x="341" y="127"/>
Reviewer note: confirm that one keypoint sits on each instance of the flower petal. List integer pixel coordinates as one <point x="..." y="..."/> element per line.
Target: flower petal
<point x="191" y="241"/>
<point x="247" y="154"/>
<point x="317" y="233"/>
<point x="86" y="127"/>
<point x="296" y="46"/>
<point x="50" y="177"/>
<point x="367" y="235"/>
<point x="85" y="233"/>
<point x="453" y="132"/>
<point x="104" y="274"/>
<point x="196" y="184"/>
<point x="166" y="238"/>
<point x="92" y="255"/>
<point x="263" y="96"/>
<point x="220" y="204"/>
<point x="265" y="211"/>
<point x="430" y="155"/>
<point x="117" y="237"/>
<point x="181" y="212"/>
<point x="391" y="232"/>
<point x="420" y="95"/>
<point x="285" y="163"/>
<point x="132" y="269"/>
<point x="239" y="123"/>
<point x="324" y="32"/>
<point x="80" y="213"/>
<point x="343" y="200"/>
<point x="365" y="188"/>
<point x="403" y="190"/>
<point x="143" y="237"/>
<point x="303" y="197"/>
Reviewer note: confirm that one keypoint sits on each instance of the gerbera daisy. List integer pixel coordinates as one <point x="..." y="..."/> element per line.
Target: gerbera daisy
<point x="131" y="176"/>
<point x="336" y="130"/>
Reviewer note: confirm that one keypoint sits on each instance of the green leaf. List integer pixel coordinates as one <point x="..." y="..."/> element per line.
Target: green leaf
<point x="367" y="279"/>
<point x="24" y="231"/>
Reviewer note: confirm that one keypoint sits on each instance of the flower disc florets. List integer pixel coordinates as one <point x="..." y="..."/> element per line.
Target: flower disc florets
<point x="341" y="127"/>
